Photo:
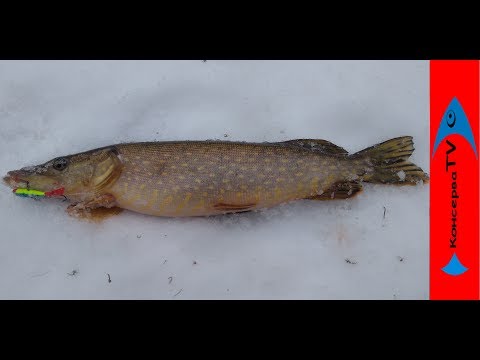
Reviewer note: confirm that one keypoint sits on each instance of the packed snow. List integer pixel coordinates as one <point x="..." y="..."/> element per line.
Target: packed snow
<point x="374" y="246"/>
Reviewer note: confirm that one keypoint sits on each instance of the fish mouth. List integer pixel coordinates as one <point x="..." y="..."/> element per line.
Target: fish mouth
<point x="15" y="179"/>
<point x="25" y="179"/>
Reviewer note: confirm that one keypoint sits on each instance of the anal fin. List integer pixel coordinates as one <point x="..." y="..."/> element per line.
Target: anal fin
<point x="340" y="190"/>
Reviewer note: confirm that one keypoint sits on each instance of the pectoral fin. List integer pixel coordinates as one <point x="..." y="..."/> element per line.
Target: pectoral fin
<point x="97" y="209"/>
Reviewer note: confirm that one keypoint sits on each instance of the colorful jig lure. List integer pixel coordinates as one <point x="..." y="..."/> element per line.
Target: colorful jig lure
<point x="29" y="193"/>
<point x="35" y="194"/>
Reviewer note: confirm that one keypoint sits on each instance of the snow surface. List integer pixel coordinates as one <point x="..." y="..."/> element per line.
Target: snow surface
<point x="303" y="250"/>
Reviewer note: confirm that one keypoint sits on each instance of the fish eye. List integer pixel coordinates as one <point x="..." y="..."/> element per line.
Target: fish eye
<point x="60" y="164"/>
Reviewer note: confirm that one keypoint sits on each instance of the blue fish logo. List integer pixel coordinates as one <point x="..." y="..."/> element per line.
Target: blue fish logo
<point x="454" y="267"/>
<point x="455" y="121"/>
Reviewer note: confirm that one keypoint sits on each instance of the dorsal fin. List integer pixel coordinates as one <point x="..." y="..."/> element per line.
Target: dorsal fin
<point x="318" y="145"/>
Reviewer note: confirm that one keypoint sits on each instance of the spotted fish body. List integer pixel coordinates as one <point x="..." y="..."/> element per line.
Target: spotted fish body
<point x="177" y="179"/>
<point x="196" y="179"/>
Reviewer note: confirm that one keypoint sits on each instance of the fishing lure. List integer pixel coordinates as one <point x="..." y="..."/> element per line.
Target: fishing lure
<point x="29" y="193"/>
<point x="36" y="194"/>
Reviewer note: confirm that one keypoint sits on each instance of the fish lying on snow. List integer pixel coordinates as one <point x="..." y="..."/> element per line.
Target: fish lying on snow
<point x="194" y="178"/>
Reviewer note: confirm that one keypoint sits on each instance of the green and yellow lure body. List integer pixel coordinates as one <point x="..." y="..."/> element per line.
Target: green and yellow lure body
<point x="29" y="193"/>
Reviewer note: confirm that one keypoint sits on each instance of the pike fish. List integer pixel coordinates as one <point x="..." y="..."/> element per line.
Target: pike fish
<point x="204" y="178"/>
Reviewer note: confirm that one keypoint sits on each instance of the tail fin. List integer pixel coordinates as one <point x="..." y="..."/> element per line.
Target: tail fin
<point x="390" y="163"/>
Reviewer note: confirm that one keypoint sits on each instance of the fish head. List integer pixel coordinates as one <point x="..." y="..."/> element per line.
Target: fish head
<point x="81" y="176"/>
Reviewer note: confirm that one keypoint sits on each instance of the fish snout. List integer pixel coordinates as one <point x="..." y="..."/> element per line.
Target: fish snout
<point x="6" y="180"/>
<point x="15" y="178"/>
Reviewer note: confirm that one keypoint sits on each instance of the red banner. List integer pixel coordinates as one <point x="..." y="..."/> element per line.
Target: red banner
<point x="454" y="172"/>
